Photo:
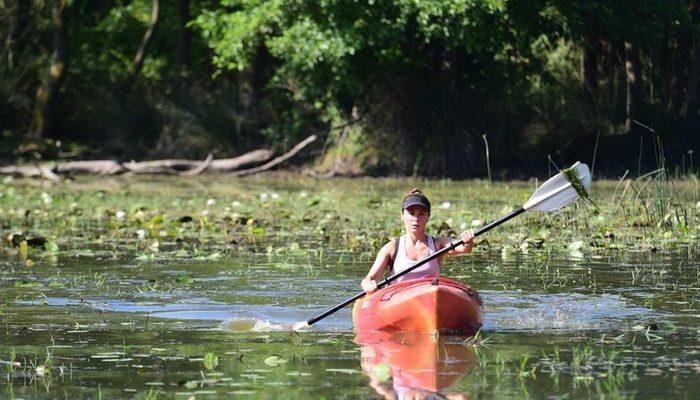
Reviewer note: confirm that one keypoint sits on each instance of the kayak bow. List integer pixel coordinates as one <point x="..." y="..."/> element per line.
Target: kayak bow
<point x="426" y="305"/>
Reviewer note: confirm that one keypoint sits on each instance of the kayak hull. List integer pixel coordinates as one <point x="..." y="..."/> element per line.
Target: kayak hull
<point x="426" y="305"/>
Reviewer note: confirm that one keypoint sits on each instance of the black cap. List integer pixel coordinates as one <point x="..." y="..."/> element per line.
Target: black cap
<point x="416" y="200"/>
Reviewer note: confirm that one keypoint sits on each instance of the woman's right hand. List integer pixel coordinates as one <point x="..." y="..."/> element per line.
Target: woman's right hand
<point x="369" y="285"/>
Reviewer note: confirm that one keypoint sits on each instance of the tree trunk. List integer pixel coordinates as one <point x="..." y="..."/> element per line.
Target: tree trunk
<point x="679" y="73"/>
<point x="182" y="51"/>
<point x="589" y="73"/>
<point x="47" y="94"/>
<point x="610" y="94"/>
<point x="145" y="42"/>
<point x="694" y="69"/>
<point x="589" y="65"/>
<point x="17" y="29"/>
<point x="661" y="71"/>
<point x="632" y="77"/>
<point x="691" y="85"/>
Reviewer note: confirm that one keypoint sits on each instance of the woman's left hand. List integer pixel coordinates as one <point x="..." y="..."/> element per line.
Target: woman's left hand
<point x="468" y="240"/>
<point x="467" y="236"/>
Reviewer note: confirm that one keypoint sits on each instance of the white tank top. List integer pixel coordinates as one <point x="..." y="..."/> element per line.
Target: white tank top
<point x="402" y="262"/>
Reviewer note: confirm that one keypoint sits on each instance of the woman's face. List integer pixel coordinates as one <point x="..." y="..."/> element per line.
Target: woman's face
<point x="415" y="218"/>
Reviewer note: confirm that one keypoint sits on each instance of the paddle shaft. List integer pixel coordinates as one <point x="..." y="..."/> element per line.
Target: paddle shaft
<point x="431" y="257"/>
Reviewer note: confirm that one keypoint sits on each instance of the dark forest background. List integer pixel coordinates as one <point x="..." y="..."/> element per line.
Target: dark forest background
<point x="390" y="86"/>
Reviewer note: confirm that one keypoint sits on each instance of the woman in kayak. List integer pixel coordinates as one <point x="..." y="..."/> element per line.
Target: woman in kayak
<point x="414" y="246"/>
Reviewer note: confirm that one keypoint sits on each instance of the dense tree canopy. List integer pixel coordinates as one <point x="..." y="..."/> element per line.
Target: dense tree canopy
<point x="393" y="86"/>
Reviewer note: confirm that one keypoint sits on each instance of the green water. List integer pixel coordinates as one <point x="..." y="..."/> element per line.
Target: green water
<point x="172" y="288"/>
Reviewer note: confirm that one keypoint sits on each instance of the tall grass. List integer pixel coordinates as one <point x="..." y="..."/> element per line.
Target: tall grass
<point x="652" y="200"/>
<point x="656" y="199"/>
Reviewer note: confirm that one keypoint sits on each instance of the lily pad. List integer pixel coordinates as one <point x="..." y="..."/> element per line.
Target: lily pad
<point x="210" y="360"/>
<point x="382" y="372"/>
<point x="275" y="360"/>
<point x="51" y="247"/>
<point x="27" y="284"/>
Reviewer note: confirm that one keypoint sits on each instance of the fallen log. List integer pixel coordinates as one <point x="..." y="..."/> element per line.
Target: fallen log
<point x="184" y="167"/>
<point x="277" y="160"/>
<point x="101" y="167"/>
<point x="181" y="167"/>
<point x="160" y="166"/>
<point x="43" y="171"/>
<point x="231" y="164"/>
<point x="200" y="168"/>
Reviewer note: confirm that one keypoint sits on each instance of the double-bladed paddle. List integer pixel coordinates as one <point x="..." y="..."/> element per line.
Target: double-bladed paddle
<point x="558" y="191"/>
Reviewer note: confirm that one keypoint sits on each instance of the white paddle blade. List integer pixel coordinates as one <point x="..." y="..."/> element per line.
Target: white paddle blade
<point x="293" y="326"/>
<point x="558" y="191"/>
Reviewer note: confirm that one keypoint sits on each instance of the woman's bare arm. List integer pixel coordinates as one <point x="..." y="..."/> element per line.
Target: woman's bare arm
<point x="369" y="284"/>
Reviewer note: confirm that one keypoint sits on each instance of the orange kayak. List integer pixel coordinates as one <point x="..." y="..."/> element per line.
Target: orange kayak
<point x="426" y="305"/>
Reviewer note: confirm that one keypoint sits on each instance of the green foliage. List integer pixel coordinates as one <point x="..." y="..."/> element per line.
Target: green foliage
<point x="455" y="68"/>
<point x="421" y="80"/>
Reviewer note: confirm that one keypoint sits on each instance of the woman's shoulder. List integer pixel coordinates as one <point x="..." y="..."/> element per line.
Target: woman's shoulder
<point x="392" y="243"/>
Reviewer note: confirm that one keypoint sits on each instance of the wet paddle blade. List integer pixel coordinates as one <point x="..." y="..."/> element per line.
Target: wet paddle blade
<point x="294" y="326"/>
<point x="300" y="326"/>
<point x="260" y="325"/>
<point x="562" y="189"/>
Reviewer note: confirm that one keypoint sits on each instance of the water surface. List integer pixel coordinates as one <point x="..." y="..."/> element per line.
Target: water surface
<point x="186" y="304"/>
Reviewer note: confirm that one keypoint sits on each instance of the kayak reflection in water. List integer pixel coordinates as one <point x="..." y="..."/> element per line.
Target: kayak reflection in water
<point x="415" y="245"/>
<point x="417" y="366"/>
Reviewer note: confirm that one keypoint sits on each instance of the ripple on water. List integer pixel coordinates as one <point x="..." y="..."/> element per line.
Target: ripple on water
<point x="229" y="317"/>
<point x="503" y="310"/>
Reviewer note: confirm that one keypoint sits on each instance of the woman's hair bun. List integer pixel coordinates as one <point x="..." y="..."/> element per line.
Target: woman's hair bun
<point x="416" y="197"/>
<point x="415" y="192"/>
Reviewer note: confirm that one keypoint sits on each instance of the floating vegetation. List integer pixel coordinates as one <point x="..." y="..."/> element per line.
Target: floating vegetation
<point x="572" y="176"/>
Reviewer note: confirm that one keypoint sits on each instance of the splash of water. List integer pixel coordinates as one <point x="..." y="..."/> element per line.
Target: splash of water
<point x="508" y="311"/>
<point x="260" y="325"/>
